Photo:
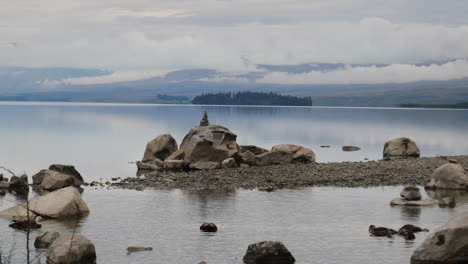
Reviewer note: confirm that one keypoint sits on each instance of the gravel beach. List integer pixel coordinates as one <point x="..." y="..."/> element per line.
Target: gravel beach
<point x="415" y="171"/>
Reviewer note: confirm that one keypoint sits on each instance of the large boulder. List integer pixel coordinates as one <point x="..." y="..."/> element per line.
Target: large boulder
<point x="209" y="144"/>
<point x="449" y="176"/>
<point x="55" y="180"/>
<point x="161" y="148"/>
<point x="69" y="170"/>
<point x="275" y="157"/>
<point x="268" y="252"/>
<point x="300" y="154"/>
<point x="411" y="193"/>
<point x="401" y="147"/>
<point x="71" y="249"/>
<point x="65" y="202"/>
<point x="448" y="244"/>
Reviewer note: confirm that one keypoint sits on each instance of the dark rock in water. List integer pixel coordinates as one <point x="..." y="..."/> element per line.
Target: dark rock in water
<point x="2" y="193"/>
<point x="411" y="193"/>
<point x="401" y="147"/>
<point x="448" y="244"/>
<point x="133" y="249"/>
<point x="19" y="184"/>
<point x="254" y="149"/>
<point x="70" y="170"/>
<point x="350" y="148"/>
<point x="160" y="148"/>
<point x="447" y="202"/>
<point x="4" y="185"/>
<point x="268" y="252"/>
<point x="274" y="158"/>
<point x="71" y="249"/>
<point x="46" y="239"/>
<point x="208" y="227"/>
<point x="450" y="176"/>
<point x="324" y="146"/>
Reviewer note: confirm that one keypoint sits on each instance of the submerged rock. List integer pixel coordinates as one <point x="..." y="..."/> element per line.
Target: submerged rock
<point x="401" y="147"/>
<point x="350" y="148"/>
<point x="448" y="244"/>
<point x="450" y="176"/>
<point x="268" y="252"/>
<point x="411" y="193"/>
<point x="133" y="249"/>
<point x="71" y="249"/>
<point x="447" y="202"/>
<point x="46" y="239"/>
<point x="160" y="148"/>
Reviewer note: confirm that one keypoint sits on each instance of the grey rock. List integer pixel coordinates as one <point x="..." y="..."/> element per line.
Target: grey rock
<point x="71" y="249"/>
<point x="447" y="202"/>
<point x="448" y="244"/>
<point x="174" y="164"/>
<point x="411" y="193"/>
<point x="229" y="163"/>
<point x="248" y="157"/>
<point x="133" y="249"/>
<point x="401" y="147"/>
<point x="55" y="180"/>
<point x="2" y="193"/>
<point x="161" y="148"/>
<point x="252" y="148"/>
<point x="69" y="170"/>
<point x="204" y="121"/>
<point x="46" y="239"/>
<point x="4" y="185"/>
<point x="350" y="148"/>
<point x="209" y="144"/>
<point x="403" y="202"/>
<point x="268" y="252"/>
<point x="176" y="155"/>
<point x="300" y="154"/>
<point x="154" y="164"/>
<point x="449" y="176"/>
<point x="274" y="158"/>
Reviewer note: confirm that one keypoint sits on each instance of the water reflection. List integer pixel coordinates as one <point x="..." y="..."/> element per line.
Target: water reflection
<point x="459" y="195"/>
<point x="410" y="213"/>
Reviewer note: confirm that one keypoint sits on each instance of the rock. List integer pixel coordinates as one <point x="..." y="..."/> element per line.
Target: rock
<point x="19" y="183"/>
<point x="403" y="202"/>
<point x="229" y="163"/>
<point x="71" y="249"/>
<point x="448" y="244"/>
<point x="133" y="249"/>
<point x="2" y="193"/>
<point x="208" y="227"/>
<point x="447" y="202"/>
<point x="205" y="165"/>
<point x="248" y="157"/>
<point x="150" y="165"/>
<point x="350" y="148"/>
<point x="275" y="157"/>
<point x="268" y="252"/>
<point x="177" y="155"/>
<point x="401" y="147"/>
<point x="204" y="121"/>
<point x="300" y="154"/>
<point x="46" y="239"/>
<point x="4" y="185"/>
<point x="411" y="193"/>
<point x="38" y="177"/>
<point x="161" y="148"/>
<point x="209" y="144"/>
<point x="1" y="177"/>
<point x="64" y="202"/>
<point x="254" y="149"/>
<point x="54" y="180"/>
<point x="202" y="262"/>
<point x="18" y="212"/>
<point x="174" y="164"/>
<point x="449" y="176"/>
<point x="69" y="170"/>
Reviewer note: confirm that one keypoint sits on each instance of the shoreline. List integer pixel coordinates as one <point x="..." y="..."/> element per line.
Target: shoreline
<point x="411" y="171"/>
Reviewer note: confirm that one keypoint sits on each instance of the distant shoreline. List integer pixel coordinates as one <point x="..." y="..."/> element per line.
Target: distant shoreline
<point x="411" y="171"/>
<point x="435" y="106"/>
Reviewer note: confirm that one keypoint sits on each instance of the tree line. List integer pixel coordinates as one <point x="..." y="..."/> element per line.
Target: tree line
<point x="251" y="98"/>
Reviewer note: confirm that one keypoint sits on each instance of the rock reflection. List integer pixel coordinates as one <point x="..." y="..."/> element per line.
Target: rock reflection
<point x="411" y="213"/>
<point x="459" y="195"/>
<point x="205" y="199"/>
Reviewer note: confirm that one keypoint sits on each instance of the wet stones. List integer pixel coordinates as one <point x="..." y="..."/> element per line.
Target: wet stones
<point x="268" y="252"/>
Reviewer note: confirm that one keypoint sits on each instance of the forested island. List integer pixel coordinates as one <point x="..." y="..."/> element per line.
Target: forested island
<point x="455" y="106"/>
<point x="251" y="98"/>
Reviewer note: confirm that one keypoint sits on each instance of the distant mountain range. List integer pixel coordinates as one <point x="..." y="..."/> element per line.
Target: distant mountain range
<point x="33" y="84"/>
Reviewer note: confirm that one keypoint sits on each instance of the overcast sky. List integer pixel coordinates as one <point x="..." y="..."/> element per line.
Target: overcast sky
<point x="233" y="35"/>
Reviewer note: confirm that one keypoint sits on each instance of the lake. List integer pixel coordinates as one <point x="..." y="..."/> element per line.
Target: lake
<point x="318" y="225"/>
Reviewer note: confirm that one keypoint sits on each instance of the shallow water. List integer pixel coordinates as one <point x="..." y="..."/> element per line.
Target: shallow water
<point x="318" y="225"/>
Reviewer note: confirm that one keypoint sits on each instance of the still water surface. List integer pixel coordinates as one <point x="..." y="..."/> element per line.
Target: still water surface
<point x="318" y="225"/>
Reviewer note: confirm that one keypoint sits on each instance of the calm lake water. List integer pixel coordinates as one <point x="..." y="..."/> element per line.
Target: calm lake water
<point x="318" y="225"/>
